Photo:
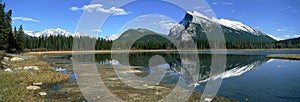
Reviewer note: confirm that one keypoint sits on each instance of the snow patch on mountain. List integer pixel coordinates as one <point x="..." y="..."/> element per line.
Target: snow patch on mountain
<point x="276" y="38"/>
<point x="53" y="32"/>
<point x="237" y="25"/>
<point x="112" y="37"/>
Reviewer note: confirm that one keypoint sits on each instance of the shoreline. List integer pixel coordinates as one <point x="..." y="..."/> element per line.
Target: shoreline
<point x="285" y="56"/>
<point x="137" y="51"/>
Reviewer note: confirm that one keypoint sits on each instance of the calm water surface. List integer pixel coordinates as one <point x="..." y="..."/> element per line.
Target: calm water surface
<point x="249" y="75"/>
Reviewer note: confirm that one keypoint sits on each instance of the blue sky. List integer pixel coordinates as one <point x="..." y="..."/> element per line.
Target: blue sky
<point x="277" y="17"/>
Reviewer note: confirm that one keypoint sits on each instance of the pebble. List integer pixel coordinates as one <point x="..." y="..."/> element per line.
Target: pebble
<point x="6" y="59"/>
<point x="208" y="99"/>
<point x="43" y="93"/>
<point x="8" y="70"/>
<point x="33" y="88"/>
<point x="37" y="84"/>
<point x="16" y="59"/>
<point x="31" y="68"/>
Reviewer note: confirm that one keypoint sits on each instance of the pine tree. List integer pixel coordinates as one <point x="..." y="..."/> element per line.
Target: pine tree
<point x="20" y="39"/>
<point x="3" y="30"/>
<point x="11" y="40"/>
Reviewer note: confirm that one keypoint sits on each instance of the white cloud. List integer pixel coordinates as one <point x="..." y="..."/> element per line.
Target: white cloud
<point x="208" y="10"/>
<point x="223" y="3"/>
<point x="96" y="30"/>
<point x="296" y="36"/>
<point x="289" y="36"/>
<point x="199" y="7"/>
<point x="99" y="8"/>
<point x="215" y="3"/>
<point x="280" y="30"/>
<point x="295" y="11"/>
<point x="24" y="19"/>
<point x="166" y="23"/>
<point x="227" y="3"/>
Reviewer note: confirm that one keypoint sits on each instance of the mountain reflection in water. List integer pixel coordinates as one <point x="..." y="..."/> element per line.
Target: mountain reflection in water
<point x="236" y="65"/>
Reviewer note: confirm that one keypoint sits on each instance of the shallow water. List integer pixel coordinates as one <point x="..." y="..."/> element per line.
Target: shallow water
<point x="249" y="75"/>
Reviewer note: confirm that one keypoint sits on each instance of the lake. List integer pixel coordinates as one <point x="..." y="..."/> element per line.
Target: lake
<point x="248" y="75"/>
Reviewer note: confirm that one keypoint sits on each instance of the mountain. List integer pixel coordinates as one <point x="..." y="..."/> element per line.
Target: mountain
<point x="112" y="37"/>
<point x="53" y="32"/>
<point x="144" y="35"/>
<point x="191" y="28"/>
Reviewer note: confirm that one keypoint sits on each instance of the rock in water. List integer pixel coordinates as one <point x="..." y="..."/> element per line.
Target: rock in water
<point x="59" y="69"/>
<point x="16" y="59"/>
<point x="33" y="88"/>
<point x="43" y="93"/>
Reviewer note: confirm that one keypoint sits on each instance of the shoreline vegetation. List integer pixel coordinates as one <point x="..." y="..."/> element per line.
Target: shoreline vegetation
<point x="136" y="51"/>
<point x="23" y="79"/>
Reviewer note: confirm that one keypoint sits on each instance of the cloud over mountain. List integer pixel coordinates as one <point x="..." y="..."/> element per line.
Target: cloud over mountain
<point x="100" y="8"/>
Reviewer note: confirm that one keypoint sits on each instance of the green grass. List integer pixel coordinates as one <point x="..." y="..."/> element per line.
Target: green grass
<point x="12" y="88"/>
<point x="13" y="85"/>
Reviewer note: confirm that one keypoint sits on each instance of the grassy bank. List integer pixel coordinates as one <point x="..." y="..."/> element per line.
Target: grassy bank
<point x="285" y="56"/>
<point x="13" y="84"/>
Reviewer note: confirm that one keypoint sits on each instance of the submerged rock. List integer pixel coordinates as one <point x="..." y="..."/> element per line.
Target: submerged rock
<point x="16" y="59"/>
<point x="33" y="88"/>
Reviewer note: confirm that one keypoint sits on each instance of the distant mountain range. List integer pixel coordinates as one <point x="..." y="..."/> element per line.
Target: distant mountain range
<point x="53" y="32"/>
<point x="191" y="27"/>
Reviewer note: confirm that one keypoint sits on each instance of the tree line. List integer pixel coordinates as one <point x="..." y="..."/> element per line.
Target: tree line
<point x="11" y="40"/>
<point x="61" y="42"/>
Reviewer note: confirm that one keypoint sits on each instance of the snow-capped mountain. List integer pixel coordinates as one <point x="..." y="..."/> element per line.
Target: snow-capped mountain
<point x="53" y="32"/>
<point x="238" y="26"/>
<point x="48" y="32"/>
<point x="191" y="27"/>
<point x="112" y="37"/>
